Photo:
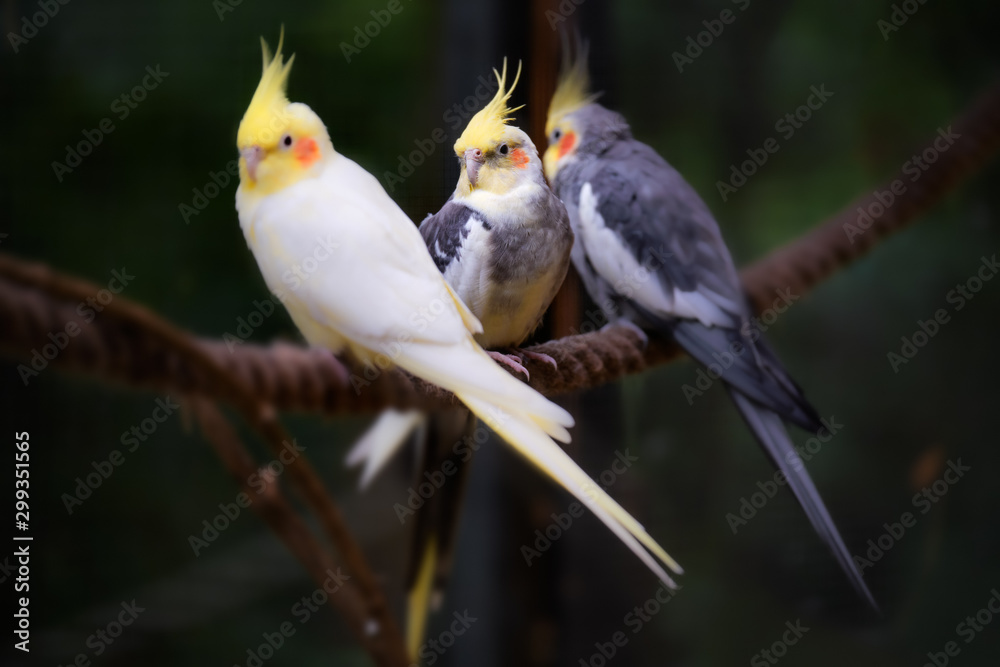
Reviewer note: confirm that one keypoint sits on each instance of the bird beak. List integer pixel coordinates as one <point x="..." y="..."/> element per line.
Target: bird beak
<point x="253" y="155"/>
<point x="473" y="161"/>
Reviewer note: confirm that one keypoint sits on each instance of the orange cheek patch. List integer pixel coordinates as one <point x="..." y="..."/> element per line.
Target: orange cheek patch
<point x="519" y="158"/>
<point x="307" y="151"/>
<point x="566" y="143"/>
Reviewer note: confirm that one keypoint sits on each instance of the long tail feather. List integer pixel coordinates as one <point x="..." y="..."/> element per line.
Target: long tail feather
<point x="436" y="529"/>
<point x="540" y="450"/>
<point x="768" y="428"/>
<point x="418" y="600"/>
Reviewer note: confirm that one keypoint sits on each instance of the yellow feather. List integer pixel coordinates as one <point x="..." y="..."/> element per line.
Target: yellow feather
<point x="488" y="124"/>
<point x="268" y="107"/>
<point x="419" y="601"/>
<point x="573" y="87"/>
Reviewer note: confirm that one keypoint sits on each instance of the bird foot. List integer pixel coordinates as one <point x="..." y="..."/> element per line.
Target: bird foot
<point x="537" y="356"/>
<point x="511" y="361"/>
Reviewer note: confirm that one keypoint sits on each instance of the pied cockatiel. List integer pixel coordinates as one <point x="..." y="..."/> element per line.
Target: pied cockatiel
<point x="502" y="242"/>
<point x="503" y="239"/>
<point x="651" y="255"/>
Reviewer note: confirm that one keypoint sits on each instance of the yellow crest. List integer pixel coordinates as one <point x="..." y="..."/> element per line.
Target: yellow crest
<point x="488" y="123"/>
<point x="573" y="87"/>
<point x="265" y="117"/>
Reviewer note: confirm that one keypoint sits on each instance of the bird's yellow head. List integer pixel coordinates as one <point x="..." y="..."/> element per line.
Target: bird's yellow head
<point x="572" y="94"/>
<point x="493" y="155"/>
<point x="280" y="142"/>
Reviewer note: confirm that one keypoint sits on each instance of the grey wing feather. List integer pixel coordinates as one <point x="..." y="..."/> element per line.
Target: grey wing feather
<point x="445" y="233"/>
<point x="664" y="222"/>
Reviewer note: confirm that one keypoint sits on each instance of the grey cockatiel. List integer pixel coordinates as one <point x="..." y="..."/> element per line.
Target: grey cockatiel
<point x="502" y="242"/>
<point x="650" y="253"/>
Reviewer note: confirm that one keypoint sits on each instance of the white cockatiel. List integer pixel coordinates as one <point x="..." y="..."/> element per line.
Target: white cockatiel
<point x="372" y="288"/>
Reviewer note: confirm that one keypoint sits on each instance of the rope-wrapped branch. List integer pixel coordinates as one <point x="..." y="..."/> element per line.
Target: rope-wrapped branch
<point x="289" y="377"/>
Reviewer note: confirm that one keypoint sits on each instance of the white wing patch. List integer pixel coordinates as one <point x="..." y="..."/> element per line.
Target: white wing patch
<point x="467" y="274"/>
<point x="617" y="264"/>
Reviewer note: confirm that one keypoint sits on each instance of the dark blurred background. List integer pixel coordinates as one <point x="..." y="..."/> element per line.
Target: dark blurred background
<point x="122" y="208"/>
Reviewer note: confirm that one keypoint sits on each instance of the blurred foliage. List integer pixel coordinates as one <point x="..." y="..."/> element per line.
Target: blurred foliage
<point x="121" y="208"/>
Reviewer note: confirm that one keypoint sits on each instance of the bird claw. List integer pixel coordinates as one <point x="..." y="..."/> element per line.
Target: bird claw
<point x="537" y="356"/>
<point x="511" y="361"/>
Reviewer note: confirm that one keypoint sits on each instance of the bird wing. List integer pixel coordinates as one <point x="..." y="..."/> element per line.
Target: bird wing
<point x="457" y="237"/>
<point x="648" y="235"/>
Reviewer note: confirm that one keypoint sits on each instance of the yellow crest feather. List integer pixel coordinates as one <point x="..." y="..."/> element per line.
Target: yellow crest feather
<point x="488" y="123"/>
<point x="573" y="87"/>
<point x="262" y="121"/>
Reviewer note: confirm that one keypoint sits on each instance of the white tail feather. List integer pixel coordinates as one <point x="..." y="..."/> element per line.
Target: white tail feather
<point x="382" y="439"/>
<point x="539" y="449"/>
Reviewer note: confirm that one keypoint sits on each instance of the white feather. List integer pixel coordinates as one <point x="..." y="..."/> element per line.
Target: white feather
<point x="616" y="263"/>
<point x="382" y="439"/>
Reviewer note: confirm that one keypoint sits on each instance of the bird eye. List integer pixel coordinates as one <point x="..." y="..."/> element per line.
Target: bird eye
<point x="504" y="149"/>
<point x="286" y="140"/>
<point x="556" y="135"/>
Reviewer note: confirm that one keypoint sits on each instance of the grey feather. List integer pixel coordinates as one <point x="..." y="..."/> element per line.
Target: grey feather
<point x="661" y="221"/>
<point x="445" y="232"/>
<point x="771" y="433"/>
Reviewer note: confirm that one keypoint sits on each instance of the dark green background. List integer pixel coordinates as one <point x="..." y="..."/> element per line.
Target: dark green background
<point x="120" y="208"/>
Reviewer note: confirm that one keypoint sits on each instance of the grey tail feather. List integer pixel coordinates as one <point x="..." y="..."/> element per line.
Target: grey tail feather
<point x="439" y="517"/>
<point x="770" y="431"/>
